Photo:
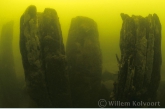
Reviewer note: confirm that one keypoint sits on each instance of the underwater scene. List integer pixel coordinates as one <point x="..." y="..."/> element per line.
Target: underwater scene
<point x="82" y="54"/>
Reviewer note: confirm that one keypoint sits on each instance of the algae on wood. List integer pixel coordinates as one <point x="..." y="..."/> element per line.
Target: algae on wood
<point x="54" y="58"/>
<point x="43" y="56"/>
<point x="139" y="67"/>
<point x="84" y="62"/>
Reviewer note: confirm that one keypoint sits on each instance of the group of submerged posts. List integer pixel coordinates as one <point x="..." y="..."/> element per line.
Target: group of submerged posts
<point x="47" y="70"/>
<point x="73" y="79"/>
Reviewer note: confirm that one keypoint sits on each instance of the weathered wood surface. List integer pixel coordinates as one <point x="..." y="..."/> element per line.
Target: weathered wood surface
<point x="43" y="56"/>
<point x="140" y="63"/>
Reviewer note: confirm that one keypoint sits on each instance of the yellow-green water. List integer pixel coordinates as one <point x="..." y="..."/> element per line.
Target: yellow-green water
<point x="105" y="12"/>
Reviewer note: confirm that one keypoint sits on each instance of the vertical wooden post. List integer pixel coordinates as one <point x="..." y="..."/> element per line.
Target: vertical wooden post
<point x="43" y="56"/>
<point x="8" y="80"/>
<point x="139" y="67"/>
<point x="84" y="62"/>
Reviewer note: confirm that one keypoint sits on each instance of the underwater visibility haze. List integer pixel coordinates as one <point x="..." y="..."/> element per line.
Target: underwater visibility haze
<point x="72" y="53"/>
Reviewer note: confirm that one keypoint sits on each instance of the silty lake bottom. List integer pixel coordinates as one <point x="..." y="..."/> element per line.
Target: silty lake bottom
<point x="82" y="53"/>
